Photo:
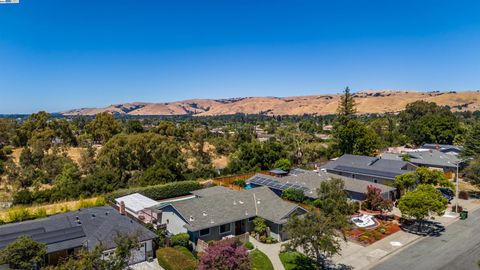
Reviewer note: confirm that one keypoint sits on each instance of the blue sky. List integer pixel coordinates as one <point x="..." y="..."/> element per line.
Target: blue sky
<point x="62" y="54"/>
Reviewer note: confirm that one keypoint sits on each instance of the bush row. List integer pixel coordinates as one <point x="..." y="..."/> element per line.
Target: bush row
<point x="18" y="214"/>
<point x="159" y="192"/>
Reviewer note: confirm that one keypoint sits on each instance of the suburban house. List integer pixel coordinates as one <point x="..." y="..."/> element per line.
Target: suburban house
<point x="444" y="148"/>
<point x="373" y="169"/>
<point x="67" y="233"/>
<point x="136" y="205"/>
<point x="431" y="158"/>
<point x="218" y="212"/>
<point x="309" y="182"/>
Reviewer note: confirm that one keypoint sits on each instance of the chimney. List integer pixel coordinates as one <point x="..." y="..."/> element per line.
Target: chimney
<point x="122" y="208"/>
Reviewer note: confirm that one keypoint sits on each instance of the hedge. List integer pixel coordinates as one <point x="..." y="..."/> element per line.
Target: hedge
<point x="159" y="192"/>
<point x="174" y="259"/>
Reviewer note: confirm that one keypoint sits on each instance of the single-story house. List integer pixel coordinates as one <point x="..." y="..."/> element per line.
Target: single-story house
<point x="373" y="169"/>
<point x="135" y="205"/>
<point x="219" y="212"/>
<point x="310" y="181"/>
<point x="67" y="233"/>
<point x="430" y="158"/>
<point x="444" y="148"/>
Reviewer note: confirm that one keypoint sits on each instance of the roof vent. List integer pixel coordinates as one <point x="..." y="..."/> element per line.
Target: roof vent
<point x="191" y="218"/>
<point x="94" y="216"/>
<point x="241" y="202"/>
<point x="246" y="213"/>
<point x="211" y="221"/>
<point x="76" y="217"/>
<point x="106" y="213"/>
<point x="234" y="202"/>
<point x="204" y="213"/>
<point x="258" y="201"/>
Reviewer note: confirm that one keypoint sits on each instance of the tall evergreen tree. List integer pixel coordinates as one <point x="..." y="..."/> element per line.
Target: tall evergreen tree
<point x="346" y="105"/>
<point x="471" y="148"/>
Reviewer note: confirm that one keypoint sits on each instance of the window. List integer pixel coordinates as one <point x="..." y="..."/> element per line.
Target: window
<point x="225" y="228"/>
<point x="205" y="232"/>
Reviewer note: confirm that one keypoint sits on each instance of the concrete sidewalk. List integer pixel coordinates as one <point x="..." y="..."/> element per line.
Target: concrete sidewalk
<point x="361" y="257"/>
<point x="271" y="250"/>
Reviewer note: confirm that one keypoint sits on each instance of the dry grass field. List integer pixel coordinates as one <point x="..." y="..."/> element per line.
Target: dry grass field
<point x="378" y="101"/>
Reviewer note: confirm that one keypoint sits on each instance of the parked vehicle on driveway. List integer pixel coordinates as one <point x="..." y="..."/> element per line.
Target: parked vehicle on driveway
<point x="447" y="193"/>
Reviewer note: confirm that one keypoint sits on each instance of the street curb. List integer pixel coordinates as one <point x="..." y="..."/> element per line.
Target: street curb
<point x="408" y="244"/>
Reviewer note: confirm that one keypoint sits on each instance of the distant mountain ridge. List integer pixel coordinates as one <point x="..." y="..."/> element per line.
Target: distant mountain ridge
<point x="371" y="101"/>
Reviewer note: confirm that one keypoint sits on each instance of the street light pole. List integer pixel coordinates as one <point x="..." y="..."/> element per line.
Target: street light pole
<point x="456" y="191"/>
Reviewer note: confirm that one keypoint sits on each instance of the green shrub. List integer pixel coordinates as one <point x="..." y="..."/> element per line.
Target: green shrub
<point x="174" y="259"/>
<point x="19" y="214"/>
<point x="181" y="239"/>
<point x="292" y="194"/>
<point x="160" y="192"/>
<point x="248" y="245"/>
<point x="239" y="182"/>
<point x="185" y="251"/>
<point x="40" y="213"/>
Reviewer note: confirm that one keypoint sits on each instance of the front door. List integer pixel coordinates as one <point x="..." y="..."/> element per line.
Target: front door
<point x="239" y="227"/>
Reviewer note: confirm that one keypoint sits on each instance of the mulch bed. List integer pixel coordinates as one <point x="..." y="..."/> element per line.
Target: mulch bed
<point x="368" y="236"/>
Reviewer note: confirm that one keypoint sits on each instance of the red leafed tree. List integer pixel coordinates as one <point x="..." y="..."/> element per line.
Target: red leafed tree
<point x="375" y="201"/>
<point x="226" y="254"/>
<point x="374" y="198"/>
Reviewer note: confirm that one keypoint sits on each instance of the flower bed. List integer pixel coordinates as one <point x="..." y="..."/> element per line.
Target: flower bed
<point x="367" y="236"/>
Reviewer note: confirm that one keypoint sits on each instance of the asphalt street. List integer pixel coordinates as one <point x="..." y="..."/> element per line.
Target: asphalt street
<point x="458" y="248"/>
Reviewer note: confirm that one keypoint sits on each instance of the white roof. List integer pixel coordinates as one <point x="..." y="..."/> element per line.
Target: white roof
<point x="136" y="202"/>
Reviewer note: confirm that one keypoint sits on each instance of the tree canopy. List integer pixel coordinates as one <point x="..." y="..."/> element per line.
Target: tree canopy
<point x="422" y="202"/>
<point x="23" y="253"/>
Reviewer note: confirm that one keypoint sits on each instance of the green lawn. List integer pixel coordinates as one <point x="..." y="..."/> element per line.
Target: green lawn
<point x="260" y="261"/>
<point x="296" y="260"/>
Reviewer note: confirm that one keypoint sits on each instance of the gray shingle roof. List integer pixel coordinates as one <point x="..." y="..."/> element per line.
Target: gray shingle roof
<point x="311" y="180"/>
<point x="372" y="166"/>
<point x="426" y="158"/>
<point x="222" y="208"/>
<point x="62" y="231"/>
<point x="443" y="147"/>
<point x="206" y="192"/>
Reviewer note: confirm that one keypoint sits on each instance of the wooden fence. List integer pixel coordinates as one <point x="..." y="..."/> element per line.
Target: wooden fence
<point x="228" y="180"/>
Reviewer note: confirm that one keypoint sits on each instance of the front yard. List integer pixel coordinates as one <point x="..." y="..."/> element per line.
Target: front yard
<point x="367" y="236"/>
<point x="260" y="261"/>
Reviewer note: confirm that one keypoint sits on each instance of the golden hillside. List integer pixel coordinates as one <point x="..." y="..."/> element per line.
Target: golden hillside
<point x="367" y="102"/>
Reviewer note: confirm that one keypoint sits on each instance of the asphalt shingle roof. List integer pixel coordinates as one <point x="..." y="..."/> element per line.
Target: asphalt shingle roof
<point x="222" y="208"/>
<point x="62" y="231"/>
<point x="312" y="181"/>
<point x="429" y="157"/>
<point x="372" y="166"/>
<point x="206" y="192"/>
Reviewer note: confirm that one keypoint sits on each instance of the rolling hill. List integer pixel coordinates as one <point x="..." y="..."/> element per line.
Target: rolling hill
<point x="382" y="101"/>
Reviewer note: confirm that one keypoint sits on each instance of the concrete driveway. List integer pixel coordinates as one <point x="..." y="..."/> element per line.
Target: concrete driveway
<point x="153" y="265"/>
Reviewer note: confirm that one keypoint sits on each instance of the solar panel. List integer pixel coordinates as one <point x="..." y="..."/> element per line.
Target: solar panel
<point x="288" y="186"/>
<point x="277" y="185"/>
<point x="268" y="182"/>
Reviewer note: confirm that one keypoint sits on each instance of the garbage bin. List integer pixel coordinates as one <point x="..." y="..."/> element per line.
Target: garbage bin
<point x="464" y="214"/>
